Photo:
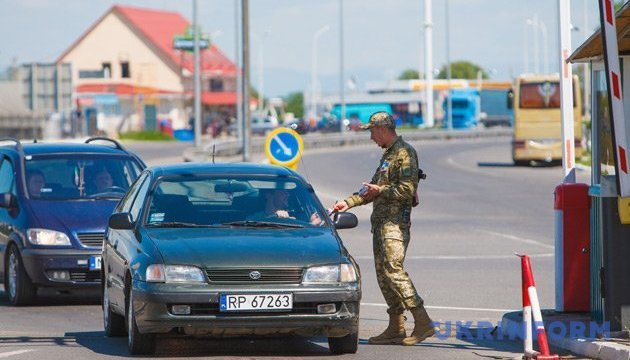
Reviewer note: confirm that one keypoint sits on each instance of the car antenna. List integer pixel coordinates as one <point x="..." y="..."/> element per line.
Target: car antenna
<point x="213" y="148"/>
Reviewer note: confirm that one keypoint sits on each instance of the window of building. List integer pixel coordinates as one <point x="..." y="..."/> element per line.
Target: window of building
<point x="124" y="70"/>
<point x="216" y="84"/>
<point x="107" y="70"/>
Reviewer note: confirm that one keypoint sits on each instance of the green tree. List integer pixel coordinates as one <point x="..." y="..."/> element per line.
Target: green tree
<point x="619" y="4"/>
<point x="463" y="70"/>
<point x="409" y="74"/>
<point x="295" y="104"/>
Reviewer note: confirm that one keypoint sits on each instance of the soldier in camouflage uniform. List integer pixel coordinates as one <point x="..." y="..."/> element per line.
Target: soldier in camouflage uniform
<point x="392" y="192"/>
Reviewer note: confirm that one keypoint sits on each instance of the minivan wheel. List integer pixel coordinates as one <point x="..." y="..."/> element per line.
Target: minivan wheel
<point x="139" y="344"/>
<point x="113" y="323"/>
<point x="344" y="345"/>
<point x="18" y="285"/>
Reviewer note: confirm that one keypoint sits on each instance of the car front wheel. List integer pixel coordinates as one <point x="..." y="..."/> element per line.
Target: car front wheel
<point x="139" y="344"/>
<point x="18" y="285"/>
<point x="344" y="345"/>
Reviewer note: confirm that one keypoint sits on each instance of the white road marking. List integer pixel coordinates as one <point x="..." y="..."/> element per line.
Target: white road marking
<point x="16" y="352"/>
<point x="449" y="308"/>
<point x="514" y="237"/>
<point x="459" y="257"/>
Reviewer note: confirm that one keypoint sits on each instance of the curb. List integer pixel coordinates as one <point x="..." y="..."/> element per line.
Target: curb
<point x="230" y="148"/>
<point x="590" y="347"/>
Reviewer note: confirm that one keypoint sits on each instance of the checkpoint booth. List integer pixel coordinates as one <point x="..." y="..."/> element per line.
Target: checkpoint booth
<point x="609" y="230"/>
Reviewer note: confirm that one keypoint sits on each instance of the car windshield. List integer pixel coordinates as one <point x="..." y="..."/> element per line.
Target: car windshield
<point x="235" y="201"/>
<point x="72" y="177"/>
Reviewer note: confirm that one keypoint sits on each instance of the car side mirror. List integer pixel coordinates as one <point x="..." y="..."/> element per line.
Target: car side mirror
<point x="8" y="200"/>
<point x="121" y="221"/>
<point x="345" y="220"/>
<point x="510" y="99"/>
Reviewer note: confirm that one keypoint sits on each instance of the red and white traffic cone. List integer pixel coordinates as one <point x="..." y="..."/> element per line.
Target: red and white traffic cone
<point x="531" y="308"/>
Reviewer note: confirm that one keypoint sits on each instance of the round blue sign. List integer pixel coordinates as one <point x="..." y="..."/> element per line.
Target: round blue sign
<point x="284" y="147"/>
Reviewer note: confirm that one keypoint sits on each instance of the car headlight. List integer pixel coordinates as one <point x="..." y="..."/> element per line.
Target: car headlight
<point x="47" y="237"/>
<point x="330" y="274"/>
<point x="174" y="274"/>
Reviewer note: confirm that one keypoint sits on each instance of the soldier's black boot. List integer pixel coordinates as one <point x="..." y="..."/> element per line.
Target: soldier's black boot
<point x="394" y="333"/>
<point x="423" y="326"/>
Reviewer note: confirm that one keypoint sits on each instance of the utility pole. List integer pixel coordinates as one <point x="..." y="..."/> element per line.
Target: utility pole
<point x="197" y="78"/>
<point x="247" y="129"/>
<point x="449" y="101"/>
<point x="428" y="63"/>
<point x="342" y="84"/>
<point x="239" y="69"/>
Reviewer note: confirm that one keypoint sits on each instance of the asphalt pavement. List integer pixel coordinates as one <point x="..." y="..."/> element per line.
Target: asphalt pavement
<point x="476" y="211"/>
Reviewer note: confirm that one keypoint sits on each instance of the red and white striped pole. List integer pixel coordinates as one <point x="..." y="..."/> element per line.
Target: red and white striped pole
<point x="531" y="308"/>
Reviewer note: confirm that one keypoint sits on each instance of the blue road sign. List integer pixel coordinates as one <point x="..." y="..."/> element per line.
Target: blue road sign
<point x="283" y="146"/>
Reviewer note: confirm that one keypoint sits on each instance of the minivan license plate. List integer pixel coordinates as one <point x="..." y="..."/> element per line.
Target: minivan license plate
<point x="255" y="302"/>
<point x="94" y="262"/>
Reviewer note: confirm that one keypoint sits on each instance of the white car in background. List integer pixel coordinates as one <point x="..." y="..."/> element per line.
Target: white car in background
<point x="262" y="125"/>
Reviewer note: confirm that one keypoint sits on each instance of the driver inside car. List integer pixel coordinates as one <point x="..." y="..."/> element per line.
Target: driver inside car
<point x="102" y="180"/>
<point x="277" y="206"/>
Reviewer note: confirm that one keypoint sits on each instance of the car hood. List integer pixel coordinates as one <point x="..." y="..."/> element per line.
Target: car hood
<point x="247" y="247"/>
<point x="72" y="216"/>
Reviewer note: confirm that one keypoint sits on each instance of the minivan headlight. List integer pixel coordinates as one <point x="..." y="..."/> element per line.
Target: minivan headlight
<point x="174" y="274"/>
<point x="342" y="273"/>
<point x="47" y="237"/>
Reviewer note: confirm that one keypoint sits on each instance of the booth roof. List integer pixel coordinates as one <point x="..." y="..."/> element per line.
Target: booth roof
<point x="593" y="49"/>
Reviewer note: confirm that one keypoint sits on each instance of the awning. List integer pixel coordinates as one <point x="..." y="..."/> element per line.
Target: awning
<point x="222" y="98"/>
<point x="218" y="98"/>
<point x="593" y="48"/>
<point x="119" y="89"/>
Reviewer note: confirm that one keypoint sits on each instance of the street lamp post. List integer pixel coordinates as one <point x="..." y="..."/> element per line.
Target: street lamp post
<point x="534" y="23"/>
<point x="314" y="87"/>
<point x="428" y="63"/>
<point x="543" y="32"/>
<point x="342" y="85"/>
<point x="197" y="78"/>
<point x="449" y="101"/>
<point x="260" y="43"/>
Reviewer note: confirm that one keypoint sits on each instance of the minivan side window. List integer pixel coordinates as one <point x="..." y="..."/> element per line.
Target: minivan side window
<point x="6" y="176"/>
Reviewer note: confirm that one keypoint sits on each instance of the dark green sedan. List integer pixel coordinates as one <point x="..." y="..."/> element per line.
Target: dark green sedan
<point x="227" y="250"/>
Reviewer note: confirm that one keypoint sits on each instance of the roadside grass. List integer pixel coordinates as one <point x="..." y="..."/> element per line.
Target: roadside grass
<point x="146" y="136"/>
<point x="585" y="159"/>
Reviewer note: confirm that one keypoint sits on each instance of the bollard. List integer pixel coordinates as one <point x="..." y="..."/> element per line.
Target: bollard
<point x="572" y="243"/>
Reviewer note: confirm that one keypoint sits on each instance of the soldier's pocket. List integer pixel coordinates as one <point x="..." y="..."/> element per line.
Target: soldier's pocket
<point x="391" y="231"/>
<point x="395" y="254"/>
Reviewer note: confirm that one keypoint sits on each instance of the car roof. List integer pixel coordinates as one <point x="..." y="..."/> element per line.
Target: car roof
<point x="222" y="168"/>
<point x="52" y="148"/>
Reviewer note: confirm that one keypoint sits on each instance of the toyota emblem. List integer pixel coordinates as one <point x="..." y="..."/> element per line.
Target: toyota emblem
<point x="255" y="275"/>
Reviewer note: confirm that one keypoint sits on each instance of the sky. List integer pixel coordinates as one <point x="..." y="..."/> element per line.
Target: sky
<point x="381" y="37"/>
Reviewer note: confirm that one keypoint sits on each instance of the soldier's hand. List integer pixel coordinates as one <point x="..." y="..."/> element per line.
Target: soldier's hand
<point x="372" y="191"/>
<point x="340" y="206"/>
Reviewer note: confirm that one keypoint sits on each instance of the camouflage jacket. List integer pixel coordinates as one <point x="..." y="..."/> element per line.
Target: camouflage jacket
<point x="397" y="177"/>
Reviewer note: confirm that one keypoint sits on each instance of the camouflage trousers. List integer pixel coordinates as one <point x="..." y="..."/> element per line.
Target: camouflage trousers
<point x="389" y="243"/>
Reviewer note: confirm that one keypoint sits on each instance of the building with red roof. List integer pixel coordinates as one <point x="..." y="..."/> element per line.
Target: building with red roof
<point x="128" y="55"/>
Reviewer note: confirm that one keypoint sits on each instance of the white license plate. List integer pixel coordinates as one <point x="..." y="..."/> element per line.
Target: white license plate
<point x="94" y="262"/>
<point x="255" y="302"/>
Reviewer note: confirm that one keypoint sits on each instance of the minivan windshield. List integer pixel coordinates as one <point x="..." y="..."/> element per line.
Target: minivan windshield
<point x="78" y="176"/>
<point x="234" y="201"/>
